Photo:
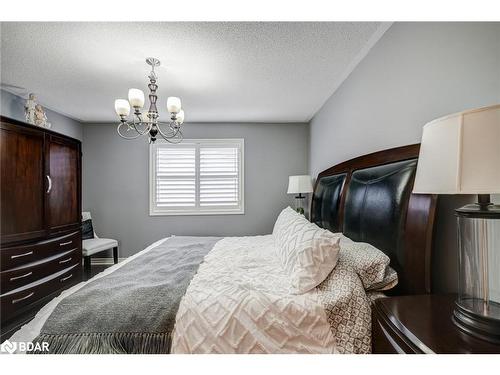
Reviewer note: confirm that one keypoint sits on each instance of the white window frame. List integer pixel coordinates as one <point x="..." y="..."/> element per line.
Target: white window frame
<point x="197" y="210"/>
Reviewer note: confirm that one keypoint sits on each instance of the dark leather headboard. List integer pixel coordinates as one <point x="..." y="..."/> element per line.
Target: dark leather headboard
<point x="369" y="199"/>
<point x="327" y="201"/>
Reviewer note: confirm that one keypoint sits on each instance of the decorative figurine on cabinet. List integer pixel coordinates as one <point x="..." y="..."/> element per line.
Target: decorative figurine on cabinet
<point x="41" y="117"/>
<point x="29" y="109"/>
<point x="35" y="113"/>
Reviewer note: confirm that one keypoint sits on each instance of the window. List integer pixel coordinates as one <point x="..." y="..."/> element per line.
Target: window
<point x="196" y="177"/>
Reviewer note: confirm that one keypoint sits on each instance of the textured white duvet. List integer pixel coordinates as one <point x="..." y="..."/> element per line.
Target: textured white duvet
<point x="239" y="302"/>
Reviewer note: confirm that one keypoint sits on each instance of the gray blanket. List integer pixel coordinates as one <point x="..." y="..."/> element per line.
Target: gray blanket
<point x="131" y="310"/>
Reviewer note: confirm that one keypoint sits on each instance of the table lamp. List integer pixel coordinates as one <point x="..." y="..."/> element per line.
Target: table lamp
<point x="299" y="185"/>
<point x="460" y="154"/>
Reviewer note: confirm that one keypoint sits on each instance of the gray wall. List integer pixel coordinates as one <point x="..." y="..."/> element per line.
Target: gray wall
<point x="415" y="73"/>
<point x="13" y="106"/>
<point x="116" y="184"/>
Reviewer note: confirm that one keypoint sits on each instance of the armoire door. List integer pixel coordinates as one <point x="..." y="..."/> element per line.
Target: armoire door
<point x="22" y="183"/>
<point x="63" y="173"/>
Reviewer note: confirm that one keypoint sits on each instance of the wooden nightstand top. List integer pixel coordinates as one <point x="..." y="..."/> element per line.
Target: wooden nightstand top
<point x="421" y="324"/>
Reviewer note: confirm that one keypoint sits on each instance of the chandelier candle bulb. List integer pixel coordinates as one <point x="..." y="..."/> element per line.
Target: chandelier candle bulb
<point x="180" y="116"/>
<point x="136" y="98"/>
<point x="122" y="107"/>
<point x="173" y="104"/>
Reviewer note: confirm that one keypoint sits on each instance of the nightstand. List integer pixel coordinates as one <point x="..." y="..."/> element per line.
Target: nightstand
<point x="421" y="324"/>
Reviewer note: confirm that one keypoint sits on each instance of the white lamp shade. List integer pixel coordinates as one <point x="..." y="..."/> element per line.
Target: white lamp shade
<point x="136" y="98"/>
<point x="180" y="116"/>
<point x="173" y="104"/>
<point x="460" y="154"/>
<point x="122" y="107"/>
<point x="299" y="184"/>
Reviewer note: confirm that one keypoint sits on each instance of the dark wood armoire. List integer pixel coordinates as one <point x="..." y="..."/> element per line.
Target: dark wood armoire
<point x="40" y="219"/>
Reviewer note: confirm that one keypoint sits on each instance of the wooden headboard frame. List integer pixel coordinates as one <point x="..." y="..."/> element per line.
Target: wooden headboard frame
<point x="419" y="222"/>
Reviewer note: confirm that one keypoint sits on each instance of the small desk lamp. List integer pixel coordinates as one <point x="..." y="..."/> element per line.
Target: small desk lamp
<point x="299" y="185"/>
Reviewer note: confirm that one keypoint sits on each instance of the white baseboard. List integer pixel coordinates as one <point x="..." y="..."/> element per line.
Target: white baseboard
<point x="105" y="261"/>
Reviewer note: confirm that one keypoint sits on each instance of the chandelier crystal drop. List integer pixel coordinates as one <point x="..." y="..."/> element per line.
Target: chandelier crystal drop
<point x="148" y="123"/>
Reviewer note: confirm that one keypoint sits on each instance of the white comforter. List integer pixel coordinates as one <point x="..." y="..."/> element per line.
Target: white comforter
<point x="239" y="302"/>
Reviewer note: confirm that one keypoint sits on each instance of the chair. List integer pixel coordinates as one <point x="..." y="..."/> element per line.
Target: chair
<point x="95" y="245"/>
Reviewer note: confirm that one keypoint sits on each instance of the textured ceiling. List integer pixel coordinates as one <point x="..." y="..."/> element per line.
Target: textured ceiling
<point x="248" y="72"/>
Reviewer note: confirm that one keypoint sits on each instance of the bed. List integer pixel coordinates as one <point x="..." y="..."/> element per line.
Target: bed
<point x="236" y="298"/>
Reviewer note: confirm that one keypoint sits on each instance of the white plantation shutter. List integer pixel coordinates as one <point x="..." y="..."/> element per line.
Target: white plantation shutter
<point x="219" y="176"/>
<point x="176" y="177"/>
<point x="197" y="177"/>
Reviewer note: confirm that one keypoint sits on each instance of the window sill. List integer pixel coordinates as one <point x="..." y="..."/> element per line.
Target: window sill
<point x="196" y="213"/>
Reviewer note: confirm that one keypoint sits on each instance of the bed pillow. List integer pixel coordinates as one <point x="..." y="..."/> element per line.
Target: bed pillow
<point x="370" y="263"/>
<point x="307" y="253"/>
<point x="283" y="221"/>
<point x="389" y="281"/>
<point x="87" y="229"/>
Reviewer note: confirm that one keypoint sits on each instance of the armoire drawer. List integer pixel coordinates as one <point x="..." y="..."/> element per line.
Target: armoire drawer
<point x="12" y="257"/>
<point x="11" y="302"/>
<point x="26" y="274"/>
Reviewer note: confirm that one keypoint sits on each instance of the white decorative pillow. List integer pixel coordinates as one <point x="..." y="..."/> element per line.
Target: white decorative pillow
<point x="370" y="263"/>
<point x="307" y="252"/>
<point x="283" y="221"/>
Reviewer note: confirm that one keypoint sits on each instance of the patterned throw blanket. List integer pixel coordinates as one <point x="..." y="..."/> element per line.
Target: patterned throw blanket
<point x="133" y="309"/>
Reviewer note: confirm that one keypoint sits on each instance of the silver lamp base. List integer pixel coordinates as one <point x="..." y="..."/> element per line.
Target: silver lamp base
<point x="479" y="326"/>
<point x="477" y="310"/>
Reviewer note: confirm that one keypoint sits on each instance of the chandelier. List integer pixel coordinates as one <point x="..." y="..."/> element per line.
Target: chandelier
<point x="148" y="123"/>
